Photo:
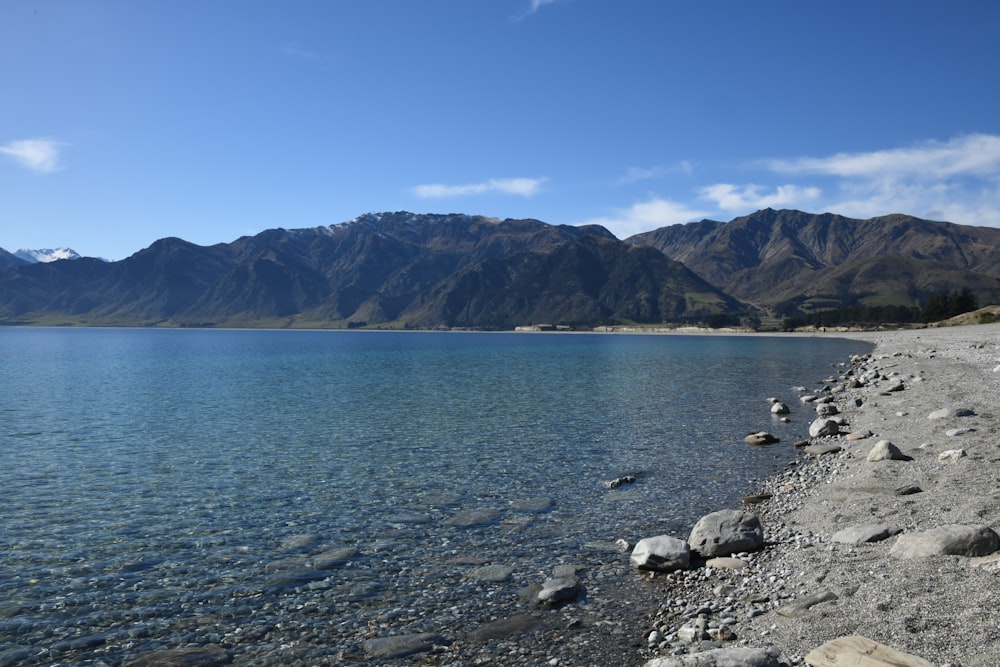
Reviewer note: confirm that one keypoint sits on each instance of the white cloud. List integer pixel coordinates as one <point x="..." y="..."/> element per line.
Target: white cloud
<point x="522" y="187"/>
<point x="729" y="197"/>
<point x="38" y="155"/>
<point x="970" y="155"/>
<point x="647" y="215"/>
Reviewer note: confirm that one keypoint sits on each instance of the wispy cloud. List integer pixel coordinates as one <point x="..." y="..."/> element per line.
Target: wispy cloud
<point x="534" y="7"/>
<point x="644" y="216"/>
<point x="636" y="174"/>
<point x="522" y="187"/>
<point x="974" y="154"/>
<point x="294" y="51"/>
<point x="39" y="155"/>
<point x="729" y="197"/>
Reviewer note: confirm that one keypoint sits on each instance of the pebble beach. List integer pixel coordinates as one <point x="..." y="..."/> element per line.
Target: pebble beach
<point x="884" y="531"/>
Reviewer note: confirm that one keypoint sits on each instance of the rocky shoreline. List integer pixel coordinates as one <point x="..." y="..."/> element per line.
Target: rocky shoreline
<point x="885" y="530"/>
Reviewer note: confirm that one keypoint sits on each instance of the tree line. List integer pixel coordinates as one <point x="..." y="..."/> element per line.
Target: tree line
<point x="938" y="307"/>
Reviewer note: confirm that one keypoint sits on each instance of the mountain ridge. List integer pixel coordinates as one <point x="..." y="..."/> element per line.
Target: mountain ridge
<point x="406" y="270"/>
<point x="770" y="257"/>
<point x="397" y="270"/>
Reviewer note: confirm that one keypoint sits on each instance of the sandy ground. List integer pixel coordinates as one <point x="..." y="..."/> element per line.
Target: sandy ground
<point x="944" y="609"/>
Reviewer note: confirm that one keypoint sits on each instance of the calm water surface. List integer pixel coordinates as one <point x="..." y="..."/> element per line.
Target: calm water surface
<point x="152" y="476"/>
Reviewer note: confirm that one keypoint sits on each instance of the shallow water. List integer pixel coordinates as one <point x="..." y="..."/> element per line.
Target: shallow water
<point x="165" y="487"/>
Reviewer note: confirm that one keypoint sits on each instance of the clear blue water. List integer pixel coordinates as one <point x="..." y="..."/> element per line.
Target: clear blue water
<point x="152" y="475"/>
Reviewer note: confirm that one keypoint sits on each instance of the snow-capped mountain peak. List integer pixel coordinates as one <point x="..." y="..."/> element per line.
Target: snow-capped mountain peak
<point x="46" y="254"/>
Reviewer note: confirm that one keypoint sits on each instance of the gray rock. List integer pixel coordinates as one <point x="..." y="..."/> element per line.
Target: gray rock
<point x="401" y="646"/>
<point x="885" y="451"/>
<point x="858" y="650"/>
<point x="952" y="432"/>
<point x="760" y="438"/>
<point x="721" y="657"/>
<point x="557" y="590"/>
<point x="779" y="408"/>
<point x="826" y="409"/>
<point x="859" y="435"/>
<point x="726" y="532"/>
<point x="662" y="553"/>
<point x="947" y="413"/>
<point x="619" y="481"/>
<point x="823" y="427"/>
<point x="869" y="532"/>
<point x="950" y="540"/>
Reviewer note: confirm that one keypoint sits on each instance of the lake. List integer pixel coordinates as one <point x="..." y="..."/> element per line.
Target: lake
<point x="295" y="493"/>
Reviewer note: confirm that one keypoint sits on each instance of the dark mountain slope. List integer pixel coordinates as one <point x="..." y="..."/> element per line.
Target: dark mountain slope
<point x="8" y="259"/>
<point x="592" y="280"/>
<point x="770" y="256"/>
<point x="396" y="269"/>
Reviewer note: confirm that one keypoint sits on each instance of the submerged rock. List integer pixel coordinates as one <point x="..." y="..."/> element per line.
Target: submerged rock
<point x="401" y="646"/>
<point x="556" y="590"/>
<point x="760" y="438"/>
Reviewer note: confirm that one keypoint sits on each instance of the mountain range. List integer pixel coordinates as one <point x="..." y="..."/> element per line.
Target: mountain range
<point x="404" y="270"/>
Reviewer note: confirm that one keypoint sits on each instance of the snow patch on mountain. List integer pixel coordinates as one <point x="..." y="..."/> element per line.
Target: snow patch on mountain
<point x="46" y="254"/>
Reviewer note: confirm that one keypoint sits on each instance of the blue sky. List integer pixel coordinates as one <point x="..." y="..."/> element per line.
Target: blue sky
<point x="124" y="122"/>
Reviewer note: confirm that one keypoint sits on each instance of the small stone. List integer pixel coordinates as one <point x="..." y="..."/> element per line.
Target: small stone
<point x="619" y="481"/>
<point x="726" y="563"/>
<point x="885" y="451"/>
<point x="951" y="455"/>
<point x="859" y="435"/>
<point x="802" y="604"/>
<point x="779" y="408"/>
<point x="822" y="449"/>
<point x="952" y="432"/>
<point x="947" y="413"/>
